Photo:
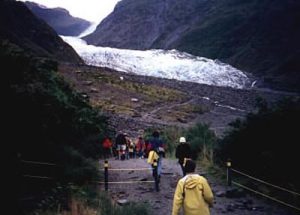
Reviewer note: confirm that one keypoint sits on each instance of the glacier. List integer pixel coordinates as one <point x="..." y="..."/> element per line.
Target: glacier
<point x="170" y="64"/>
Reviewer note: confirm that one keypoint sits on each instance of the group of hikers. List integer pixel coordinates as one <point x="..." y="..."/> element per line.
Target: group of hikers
<point x="125" y="148"/>
<point x="193" y="193"/>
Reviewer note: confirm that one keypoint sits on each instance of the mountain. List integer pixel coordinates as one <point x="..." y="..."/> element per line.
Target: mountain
<point x="18" y="25"/>
<point x="59" y="19"/>
<point x="260" y="37"/>
<point x="170" y="64"/>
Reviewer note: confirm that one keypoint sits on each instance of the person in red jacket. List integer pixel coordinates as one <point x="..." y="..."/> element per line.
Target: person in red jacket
<point x="107" y="145"/>
<point x="140" y="147"/>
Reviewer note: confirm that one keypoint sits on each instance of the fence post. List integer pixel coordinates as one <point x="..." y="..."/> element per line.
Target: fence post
<point x="155" y="175"/>
<point x="228" y="165"/>
<point x="106" y="174"/>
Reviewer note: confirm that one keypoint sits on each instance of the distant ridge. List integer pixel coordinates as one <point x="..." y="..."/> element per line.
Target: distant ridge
<point x="59" y="19"/>
<point x="20" y="26"/>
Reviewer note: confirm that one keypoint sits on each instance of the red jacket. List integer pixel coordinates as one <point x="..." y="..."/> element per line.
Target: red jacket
<point x="106" y="143"/>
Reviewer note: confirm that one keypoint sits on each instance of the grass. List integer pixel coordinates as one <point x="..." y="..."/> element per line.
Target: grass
<point x="101" y="205"/>
<point x="114" y="95"/>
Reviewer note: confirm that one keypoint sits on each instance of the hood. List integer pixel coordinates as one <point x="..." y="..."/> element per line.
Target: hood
<point x="192" y="181"/>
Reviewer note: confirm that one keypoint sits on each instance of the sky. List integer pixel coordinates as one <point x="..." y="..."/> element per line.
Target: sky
<point x="91" y="10"/>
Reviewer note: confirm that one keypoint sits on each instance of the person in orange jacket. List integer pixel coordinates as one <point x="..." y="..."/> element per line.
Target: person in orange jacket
<point x="193" y="193"/>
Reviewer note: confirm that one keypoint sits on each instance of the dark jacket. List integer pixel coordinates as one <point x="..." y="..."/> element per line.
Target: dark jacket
<point x="183" y="150"/>
<point x="121" y="139"/>
<point x="156" y="144"/>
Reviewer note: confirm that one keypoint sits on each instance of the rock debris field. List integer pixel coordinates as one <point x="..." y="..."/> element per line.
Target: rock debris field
<point x="228" y="200"/>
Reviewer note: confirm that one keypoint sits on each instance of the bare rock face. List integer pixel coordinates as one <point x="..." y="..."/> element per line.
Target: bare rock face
<point x="147" y="24"/>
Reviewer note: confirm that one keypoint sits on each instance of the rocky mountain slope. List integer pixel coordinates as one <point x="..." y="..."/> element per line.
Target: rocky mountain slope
<point x="59" y="19"/>
<point x="260" y="37"/>
<point x="138" y="102"/>
<point x="20" y="26"/>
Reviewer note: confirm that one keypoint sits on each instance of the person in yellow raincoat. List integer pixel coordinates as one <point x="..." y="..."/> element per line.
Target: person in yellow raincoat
<point x="193" y="193"/>
<point x="152" y="157"/>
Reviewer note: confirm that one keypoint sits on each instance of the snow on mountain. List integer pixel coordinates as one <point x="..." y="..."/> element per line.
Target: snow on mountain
<point x="170" y="64"/>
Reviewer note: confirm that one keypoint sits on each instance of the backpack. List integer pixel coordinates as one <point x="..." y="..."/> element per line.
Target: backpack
<point x="152" y="156"/>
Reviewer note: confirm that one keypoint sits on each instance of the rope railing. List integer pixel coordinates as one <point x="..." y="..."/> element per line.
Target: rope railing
<point x="154" y="173"/>
<point x="265" y="195"/>
<point x="264" y="182"/>
<point x="37" y="162"/>
<point x="138" y="169"/>
<point x="124" y="182"/>
<point x="230" y="181"/>
<point x="36" y="176"/>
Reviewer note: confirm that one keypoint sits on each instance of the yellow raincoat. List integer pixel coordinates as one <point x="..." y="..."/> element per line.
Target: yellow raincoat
<point x="152" y="156"/>
<point x="198" y="196"/>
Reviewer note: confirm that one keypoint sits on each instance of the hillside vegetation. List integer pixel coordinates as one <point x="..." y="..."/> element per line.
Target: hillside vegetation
<point x="48" y="122"/>
<point x="264" y="144"/>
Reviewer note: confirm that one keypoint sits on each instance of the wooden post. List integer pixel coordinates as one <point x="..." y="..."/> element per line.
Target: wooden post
<point x="155" y="175"/>
<point x="228" y="165"/>
<point x="106" y="174"/>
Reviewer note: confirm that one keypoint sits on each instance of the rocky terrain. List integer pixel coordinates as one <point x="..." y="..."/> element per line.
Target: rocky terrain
<point x="138" y="102"/>
<point x="228" y="199"/>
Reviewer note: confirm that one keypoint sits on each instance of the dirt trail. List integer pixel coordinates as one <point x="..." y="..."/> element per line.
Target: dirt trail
<point x="161" y="202"/>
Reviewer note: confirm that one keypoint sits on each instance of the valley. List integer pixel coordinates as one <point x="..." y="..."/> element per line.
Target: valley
<point x="136" y="102"/>
<point x="151" y="65"/>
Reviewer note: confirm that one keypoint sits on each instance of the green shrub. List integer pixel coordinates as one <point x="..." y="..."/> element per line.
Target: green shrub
<point x="202" y="141"/>
<point x="265" y="143"/>
<point x="48" y="122"/>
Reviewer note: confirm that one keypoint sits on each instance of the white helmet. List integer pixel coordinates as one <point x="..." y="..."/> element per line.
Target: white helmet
<point x="182" y="140"/>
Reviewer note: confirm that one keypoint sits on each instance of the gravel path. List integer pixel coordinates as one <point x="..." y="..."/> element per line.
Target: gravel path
<point x="161" y="202"/>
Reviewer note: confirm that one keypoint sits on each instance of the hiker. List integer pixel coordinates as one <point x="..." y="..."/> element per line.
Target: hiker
<point x="153" y="159"/>
<point x="129" y="146"/>
<point x="193" y="193"/>
<point x="121" y="146"/>
<point x="107" y="145"/>
<point x="147" y="148"/>
<point x="140" y="147"/>
<point x="131" y="149"/>
<point x="157" y="145"/>
<point x="182" y="153"/>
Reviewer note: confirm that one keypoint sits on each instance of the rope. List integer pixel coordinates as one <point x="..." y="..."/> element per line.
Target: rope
<point x="34" y="176"/>
<point x="129" y="169"/>
<point x="35" y="162"/>
<point x="124" y="182"/>
<point x="281" y="188"/>
<point x="269" y="197"/>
